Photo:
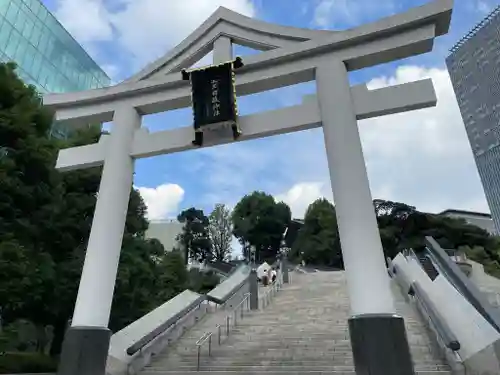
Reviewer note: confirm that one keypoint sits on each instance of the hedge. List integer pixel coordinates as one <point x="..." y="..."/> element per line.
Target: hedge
<point x="26" y="362"/>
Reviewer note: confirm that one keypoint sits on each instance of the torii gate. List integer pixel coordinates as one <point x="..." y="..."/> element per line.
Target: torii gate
<point x="291" y="55"/>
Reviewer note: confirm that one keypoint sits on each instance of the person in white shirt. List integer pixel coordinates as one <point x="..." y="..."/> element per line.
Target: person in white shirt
<point x="273" y="275"/>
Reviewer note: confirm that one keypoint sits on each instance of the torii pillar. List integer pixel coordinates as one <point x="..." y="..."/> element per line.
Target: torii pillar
<point x="378" y="336"/>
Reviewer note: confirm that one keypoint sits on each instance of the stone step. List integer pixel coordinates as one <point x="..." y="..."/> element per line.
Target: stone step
<point x="294" y="347"/>
<point x="273" y="372"/>
<point x="423" y="355"/>
<point x="303" y="330"/>
<point x="225" y="354"/>
<point x="328" y="338"/>
<point x="283" y="360"/>
<point x="285" y="367"/>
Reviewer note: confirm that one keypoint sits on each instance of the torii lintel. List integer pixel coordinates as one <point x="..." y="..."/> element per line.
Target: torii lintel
<point x="392" y="38"/>
<point x="368" y="104"/>
<point x="243" y="30"/>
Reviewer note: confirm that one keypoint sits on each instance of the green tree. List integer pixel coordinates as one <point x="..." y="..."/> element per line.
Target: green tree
<point x="195" y="235"/>
<point x="202" y="281"/>
<point x="147" y="277"/>
<point x="318" y="242"/>
<point x="402" y="226"/>
<point x="395" y="221"/>
<point x="29" y="186"/>
<point x="45" y="221"/>
<point x="221" y="232"/>
<point x="260" y="221"/>
<point x="174" y="277"/>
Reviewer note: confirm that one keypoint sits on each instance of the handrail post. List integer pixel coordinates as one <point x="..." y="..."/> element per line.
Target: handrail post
<point x="227" y="325"/>
<point x="198" y="365"/>
<point x="218" y="329"/>
<point x="210" y="345"/>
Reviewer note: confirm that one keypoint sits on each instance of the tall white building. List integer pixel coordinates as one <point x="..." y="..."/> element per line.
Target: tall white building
<point x="165" y="231"/>
<point x="474" y="67"/>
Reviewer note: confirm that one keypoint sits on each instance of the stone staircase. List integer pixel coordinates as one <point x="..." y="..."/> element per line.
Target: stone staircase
<point x="304" y="330"/>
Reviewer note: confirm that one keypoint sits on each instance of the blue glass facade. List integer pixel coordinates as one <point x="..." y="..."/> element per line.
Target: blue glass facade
<point x="46" y="54"/>
<point x="474" y="68"/>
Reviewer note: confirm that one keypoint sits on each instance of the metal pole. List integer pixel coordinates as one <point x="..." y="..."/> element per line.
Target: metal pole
<point x="198" y="365"/>
<point x="284" y="270"/>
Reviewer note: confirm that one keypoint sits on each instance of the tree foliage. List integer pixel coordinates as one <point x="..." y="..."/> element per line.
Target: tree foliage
<point x="221" y="232"/>
<point x="401" y="226"/>
<point x="202" y="281"/>
<point x="195" y="235"/>
<point x="145" y="268"/>
<point x="260" y="221"/>
<point x="318" y="240"/>
<point x="45" y="221"/>
<point x="29" y="187"/>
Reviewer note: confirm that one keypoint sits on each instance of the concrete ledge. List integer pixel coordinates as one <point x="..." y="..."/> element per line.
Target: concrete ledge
<point x="479" y="353"/>
<point x="135" y="363"/>
<point x="226" y="290"/>
<point x="484" y="362"/>
<point x="174" y="316"/>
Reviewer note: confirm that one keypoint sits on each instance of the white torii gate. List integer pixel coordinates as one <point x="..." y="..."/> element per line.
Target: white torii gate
<point x="291" y="55"/>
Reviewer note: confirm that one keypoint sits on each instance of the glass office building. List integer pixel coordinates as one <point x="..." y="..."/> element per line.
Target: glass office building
<point x="474" y="67"/>
<point x="46" y="54"/>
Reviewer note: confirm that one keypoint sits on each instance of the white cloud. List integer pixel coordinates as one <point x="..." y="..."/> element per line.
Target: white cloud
<point x="147" y="29"/>
<point x="331" y="13"/>
<point x="323" y="13"/>
<point x="422" y="158"/>
<point x="301" y="195"/>
<point x="484" y="6"/>
<point x="113" y="71"/>
<point x="162" y="201"/>
<point x="87" y="21"/>
<point x="165" y="23"/>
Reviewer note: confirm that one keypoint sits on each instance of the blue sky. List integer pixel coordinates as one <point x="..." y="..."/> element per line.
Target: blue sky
<point x="422" y="158"/>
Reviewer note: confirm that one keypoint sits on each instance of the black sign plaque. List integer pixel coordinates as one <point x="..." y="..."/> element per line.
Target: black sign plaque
<point x="214" y="97"/>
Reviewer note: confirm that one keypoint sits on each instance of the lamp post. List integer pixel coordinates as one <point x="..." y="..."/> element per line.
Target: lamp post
<point x="284" y="257"/>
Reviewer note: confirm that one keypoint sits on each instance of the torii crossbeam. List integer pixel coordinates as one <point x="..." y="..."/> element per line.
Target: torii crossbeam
<point x="290" y="56"/>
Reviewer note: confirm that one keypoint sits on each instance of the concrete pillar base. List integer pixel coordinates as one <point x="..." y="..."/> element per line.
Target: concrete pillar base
<point x="380" y="345"/>
<point x="85" y="351"/>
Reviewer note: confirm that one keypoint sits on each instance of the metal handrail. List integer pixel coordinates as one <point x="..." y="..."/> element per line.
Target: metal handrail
<point x="273" y="290"/>
<point x="461" y="282"/>
<point x="169" y="324"/>
<point x="207" y="336"/>
<point x="442" y="328"/>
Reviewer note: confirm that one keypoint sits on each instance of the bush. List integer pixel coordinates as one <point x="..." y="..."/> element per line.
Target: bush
<point x="17" y="363"/>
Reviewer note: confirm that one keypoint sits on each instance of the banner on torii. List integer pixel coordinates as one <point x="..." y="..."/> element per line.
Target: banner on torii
<point x="213" y="98"/>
